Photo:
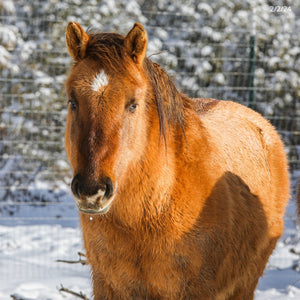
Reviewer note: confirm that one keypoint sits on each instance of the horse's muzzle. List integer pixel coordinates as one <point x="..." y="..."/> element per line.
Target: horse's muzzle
<point x="93" y="198"/>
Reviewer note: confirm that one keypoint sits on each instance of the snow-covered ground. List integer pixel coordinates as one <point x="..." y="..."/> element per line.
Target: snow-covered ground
<point x="28" y="254"/>
<point x="28" y="266"/>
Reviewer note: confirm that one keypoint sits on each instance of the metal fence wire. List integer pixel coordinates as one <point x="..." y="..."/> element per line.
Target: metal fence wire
<point x="207" y="49"/>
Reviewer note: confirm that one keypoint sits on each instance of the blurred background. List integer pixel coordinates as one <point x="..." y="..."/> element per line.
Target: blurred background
<point x="245" y="51"/>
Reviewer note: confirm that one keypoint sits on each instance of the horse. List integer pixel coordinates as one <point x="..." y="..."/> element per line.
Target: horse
<point x="178" y="198"/>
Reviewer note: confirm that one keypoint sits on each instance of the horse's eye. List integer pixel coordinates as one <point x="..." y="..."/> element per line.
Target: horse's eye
<point x="72" y="105"/>
<point x="132" y="108"/>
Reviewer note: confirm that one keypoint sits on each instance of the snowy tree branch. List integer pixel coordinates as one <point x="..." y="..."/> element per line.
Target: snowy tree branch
<point x="18" y="297"/>
<point x="79" y="295"/>
<point x="79" y="261"/>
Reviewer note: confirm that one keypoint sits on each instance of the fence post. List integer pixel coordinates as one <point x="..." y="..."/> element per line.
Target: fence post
<point x="252" y="58"/>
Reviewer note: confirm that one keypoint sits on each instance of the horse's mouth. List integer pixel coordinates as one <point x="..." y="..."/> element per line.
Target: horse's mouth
<point x="99" y="203"/>
<point x="101" y="207"/>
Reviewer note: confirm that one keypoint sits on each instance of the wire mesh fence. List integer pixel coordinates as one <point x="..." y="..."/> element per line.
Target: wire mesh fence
<point x="206" y="51"/>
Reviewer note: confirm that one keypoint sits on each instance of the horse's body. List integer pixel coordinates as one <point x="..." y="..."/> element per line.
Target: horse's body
<point x="187" y="195"/>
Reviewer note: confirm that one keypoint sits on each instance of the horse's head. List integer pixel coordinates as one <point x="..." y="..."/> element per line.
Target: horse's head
<point x="106" y="122"/>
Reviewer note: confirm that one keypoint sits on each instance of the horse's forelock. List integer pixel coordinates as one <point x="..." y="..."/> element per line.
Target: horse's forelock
<point x="107" y="49"/>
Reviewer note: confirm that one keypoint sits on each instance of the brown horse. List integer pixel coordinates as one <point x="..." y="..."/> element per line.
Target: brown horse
<point x="179" y="198"/>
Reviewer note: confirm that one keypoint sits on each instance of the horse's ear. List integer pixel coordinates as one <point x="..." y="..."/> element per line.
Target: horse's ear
<point x="77" y="41"/>
<point x="136" y="43"/>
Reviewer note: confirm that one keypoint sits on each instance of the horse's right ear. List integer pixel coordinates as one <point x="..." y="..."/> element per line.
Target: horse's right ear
<point x="77" y="41"/>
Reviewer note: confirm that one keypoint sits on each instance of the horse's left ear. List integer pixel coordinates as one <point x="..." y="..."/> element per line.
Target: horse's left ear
<point x="77" y="41"/>
<point x="136" y="43"/>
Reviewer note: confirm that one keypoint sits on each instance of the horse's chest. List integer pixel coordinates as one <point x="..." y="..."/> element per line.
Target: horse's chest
<point x="140" y="270"/>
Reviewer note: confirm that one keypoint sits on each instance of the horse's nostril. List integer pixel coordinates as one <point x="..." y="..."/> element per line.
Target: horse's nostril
<point x="109" y="188"/>
<point x="75" y="187"/>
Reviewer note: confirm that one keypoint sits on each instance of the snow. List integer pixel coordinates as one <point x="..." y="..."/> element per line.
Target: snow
<point x="206" y="50"/>
<point x="206" y="8"/>
<point x="28" y="266"/>
<point x="8" y="37"/>
<point x="219" y="78"/>
<point x="8" y="6"/>
<point x="4" y="56"/>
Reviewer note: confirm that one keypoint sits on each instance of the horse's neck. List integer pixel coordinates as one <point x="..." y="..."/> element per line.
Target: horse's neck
<point x="145" y="194"/>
